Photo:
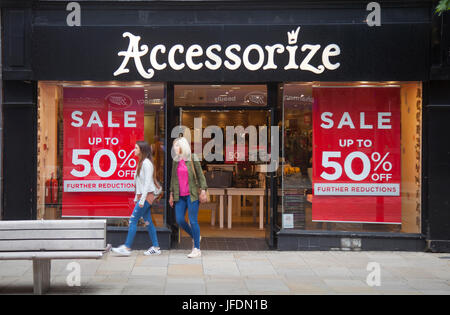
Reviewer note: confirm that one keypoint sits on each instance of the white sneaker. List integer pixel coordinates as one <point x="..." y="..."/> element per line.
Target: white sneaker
<point x="153" y="251"/>
<point x="121" y="250"/>
<point x="195" y="253"/>
<point x="194" y="243"/>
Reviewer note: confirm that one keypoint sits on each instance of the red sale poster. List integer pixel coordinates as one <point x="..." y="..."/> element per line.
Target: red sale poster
<point x="101" y="127"/>
<point x="356" y="154"/>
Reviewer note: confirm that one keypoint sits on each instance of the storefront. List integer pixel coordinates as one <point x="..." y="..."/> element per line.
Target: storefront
<point x="312" y="125"/>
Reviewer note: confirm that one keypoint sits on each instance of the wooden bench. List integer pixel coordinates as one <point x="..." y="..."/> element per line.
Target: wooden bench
<point x="44" y="240"/>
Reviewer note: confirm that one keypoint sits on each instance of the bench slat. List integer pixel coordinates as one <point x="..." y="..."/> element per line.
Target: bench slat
<point x="52" y="245"/>
<point x="51" y="255"/>
<point x="52" y="224"/>
<point x="50" y="234"/>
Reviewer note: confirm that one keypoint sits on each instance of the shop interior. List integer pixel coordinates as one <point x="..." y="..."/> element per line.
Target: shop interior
<point x="240" y="182"/>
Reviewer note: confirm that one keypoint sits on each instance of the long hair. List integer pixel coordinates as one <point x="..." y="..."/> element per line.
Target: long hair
<point x="185" y="148"/>
<point x="146" y="153"/>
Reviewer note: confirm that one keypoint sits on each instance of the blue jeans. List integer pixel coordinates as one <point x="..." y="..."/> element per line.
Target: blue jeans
<point x="139" y="212"/>
<point x="193" y="229"/>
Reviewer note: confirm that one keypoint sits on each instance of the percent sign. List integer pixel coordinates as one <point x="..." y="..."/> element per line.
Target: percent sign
<point x="376" y="157"/>
<point x="122" y="154"/>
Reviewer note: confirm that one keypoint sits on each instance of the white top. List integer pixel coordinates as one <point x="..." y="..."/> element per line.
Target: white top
<point x="144" y="182"/>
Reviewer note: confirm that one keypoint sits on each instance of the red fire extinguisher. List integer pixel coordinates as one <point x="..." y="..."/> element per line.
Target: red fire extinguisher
<point x="48" y="191"/>
<point x="51" y="190"/>
<point x="54" y="184"/>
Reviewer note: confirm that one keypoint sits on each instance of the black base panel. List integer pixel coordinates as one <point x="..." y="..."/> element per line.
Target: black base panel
<point x="350" y="242"/>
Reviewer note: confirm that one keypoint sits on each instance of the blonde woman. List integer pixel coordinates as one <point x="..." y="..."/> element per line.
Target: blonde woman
<point x="186" y="180"/>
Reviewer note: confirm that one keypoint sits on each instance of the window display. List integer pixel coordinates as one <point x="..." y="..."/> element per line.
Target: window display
<point x="86" y="139"/>
<point x="101" y="128"/>
<point x="356" y="151"/>
<point x="349" y="162"/>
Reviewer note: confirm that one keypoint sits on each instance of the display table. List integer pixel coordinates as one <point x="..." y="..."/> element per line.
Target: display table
<point x="221" y="193"/>
<point x="246" y="192"/>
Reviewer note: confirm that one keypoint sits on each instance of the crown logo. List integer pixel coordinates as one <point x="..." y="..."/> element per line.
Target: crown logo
<point x="292" y="36"/>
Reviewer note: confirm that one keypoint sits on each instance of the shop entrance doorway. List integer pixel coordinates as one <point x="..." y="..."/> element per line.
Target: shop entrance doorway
<point x="237" y="215"/>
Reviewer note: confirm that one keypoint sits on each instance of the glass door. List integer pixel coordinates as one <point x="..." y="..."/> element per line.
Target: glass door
<point x="256" y="110"/>
<point x="273" y="178"/>
<point x="268" y="202"/>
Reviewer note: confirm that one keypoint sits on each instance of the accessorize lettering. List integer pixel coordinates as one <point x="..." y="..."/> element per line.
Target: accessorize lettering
<point x="232" y="57"/>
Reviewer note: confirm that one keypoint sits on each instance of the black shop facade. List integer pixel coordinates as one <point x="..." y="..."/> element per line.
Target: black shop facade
<point x="312" y="135"/>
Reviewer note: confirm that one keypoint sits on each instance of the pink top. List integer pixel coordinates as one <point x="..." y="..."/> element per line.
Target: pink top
<point x="183" y="178"/>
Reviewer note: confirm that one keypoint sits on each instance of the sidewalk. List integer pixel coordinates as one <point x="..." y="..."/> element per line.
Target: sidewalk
<point x="239" y="272"/>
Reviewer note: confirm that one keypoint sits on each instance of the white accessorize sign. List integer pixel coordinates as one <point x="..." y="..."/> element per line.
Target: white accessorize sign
<point x="196" y="57"/>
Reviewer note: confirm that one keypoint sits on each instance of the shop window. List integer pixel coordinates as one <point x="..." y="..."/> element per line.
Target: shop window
<point x="86" y="136"/>
<point x="352" y="156"/>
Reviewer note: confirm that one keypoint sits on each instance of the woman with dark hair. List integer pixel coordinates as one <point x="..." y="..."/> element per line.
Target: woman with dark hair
<point x="147" y="189"/>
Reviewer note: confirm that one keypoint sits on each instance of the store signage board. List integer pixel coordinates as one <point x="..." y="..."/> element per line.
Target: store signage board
<point x="101" y="127"/>
<point x="233" y="57"/>
<point x="356" y="154"/>
<point x="230" y="53"/>
<point x="221" y="95"/>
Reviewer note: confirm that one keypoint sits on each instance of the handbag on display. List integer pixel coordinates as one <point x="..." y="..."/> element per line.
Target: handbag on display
<point x="219" y="179"/>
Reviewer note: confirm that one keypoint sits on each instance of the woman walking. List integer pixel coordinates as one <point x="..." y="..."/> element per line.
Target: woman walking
<point x="186" y="180"/>
<point x="147" y="189"/>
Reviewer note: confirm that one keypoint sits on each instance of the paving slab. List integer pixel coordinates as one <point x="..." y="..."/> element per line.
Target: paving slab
<point x="185" y="270"/>
<point x="273" y="285"/>
<point x="149" y="271"/>
<point x="332" y="272"/>
<point x="310" y="285"/>
<point x="185" y="286"/>
<point x="257" y="267"/>
<point x="349" y="286"/>
<point x="221" y="270"/>
<point x="223" y="286"/>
